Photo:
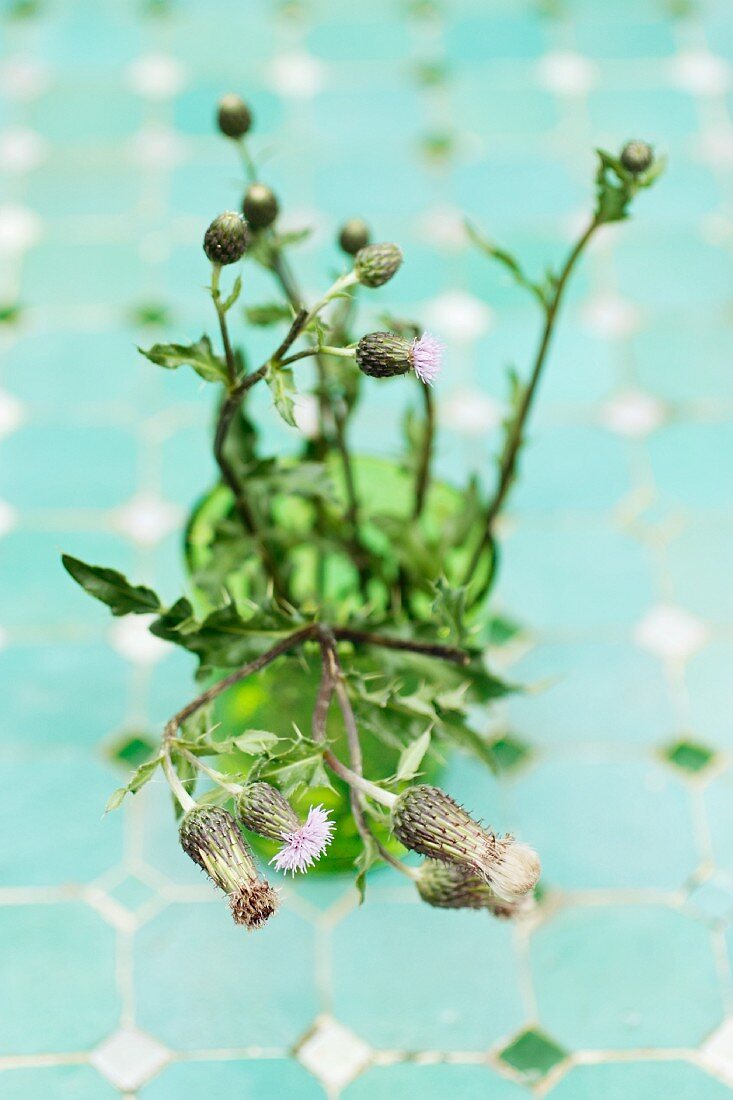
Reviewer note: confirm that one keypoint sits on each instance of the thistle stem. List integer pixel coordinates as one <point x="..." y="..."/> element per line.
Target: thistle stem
<point x="219" y="778"/>
<point x="423" y="472"/>
<point x="184" y="798"/>
<point x="516" y="435"/>
<point x="227" y="413"/>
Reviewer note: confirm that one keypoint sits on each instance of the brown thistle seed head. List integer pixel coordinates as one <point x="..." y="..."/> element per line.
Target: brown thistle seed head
<point x="260" y="206"/>
<point x="353" y="236"/>
<point x="253" y="905"/>
<point x="227" y="238"/>
<point x="210" y="836"/>
<point x="448" y="886"/>
<point x="382" y="355"/>
<point x="375" y="264"/>
<point x="233" y="116"/>
<point x="261" y="808"/>
<point x="637" y="157"/>
<point x="429" y="821"/>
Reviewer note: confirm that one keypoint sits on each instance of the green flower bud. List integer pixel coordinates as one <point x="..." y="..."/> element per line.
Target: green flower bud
<point x="261" y="808"/>
<point x="429" y="821"/>
<point x="375" y="264"/>
<point x="448" y="886"/>
<point x="260" y="206"/>
<point x="233" y="116"/>
<point x="353" y="236"/>
<point x="637" y="157"/>
<point x="382" y="354"/>
<point x="226" y="238"/>
<point x="210" y="837"/>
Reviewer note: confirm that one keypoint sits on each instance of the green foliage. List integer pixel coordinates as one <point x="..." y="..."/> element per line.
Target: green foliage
<point x="282" y="387"/>
<point x="112" y="588"/>
<point x="282" y="542"/>
<point x="200" y="356"/>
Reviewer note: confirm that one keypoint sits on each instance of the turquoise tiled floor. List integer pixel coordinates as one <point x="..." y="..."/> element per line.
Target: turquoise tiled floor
<point x="121" y="975"/>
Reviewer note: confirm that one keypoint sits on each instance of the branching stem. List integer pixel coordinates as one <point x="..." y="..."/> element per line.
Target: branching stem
<point x="516" y="435"/>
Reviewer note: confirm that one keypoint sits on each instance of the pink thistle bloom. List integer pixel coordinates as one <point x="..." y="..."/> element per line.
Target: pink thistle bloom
<point x="426" y="353"/>
<point x="304" y="845"/>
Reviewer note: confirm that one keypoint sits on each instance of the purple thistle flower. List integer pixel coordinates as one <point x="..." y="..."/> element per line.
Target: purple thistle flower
<point x="426" y="353"/>
<point x="304" y="845"/>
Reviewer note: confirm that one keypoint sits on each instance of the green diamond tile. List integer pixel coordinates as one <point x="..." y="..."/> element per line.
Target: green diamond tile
<point x="131" y="749"/>
<point x="688" y="756"/>
<point x="532" y="1054"/>
<point x="510" y="752"/>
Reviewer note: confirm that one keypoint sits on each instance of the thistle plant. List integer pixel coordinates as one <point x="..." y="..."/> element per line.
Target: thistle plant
<point x="354" y="592"/>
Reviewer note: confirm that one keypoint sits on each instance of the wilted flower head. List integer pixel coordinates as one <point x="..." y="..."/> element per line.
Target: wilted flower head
<point x="429" y="821"/>
<point x="449" y="886"/>
<point x="426" y="354"/>
<point x="210" y="836"/>
<point x="305" y="844"/>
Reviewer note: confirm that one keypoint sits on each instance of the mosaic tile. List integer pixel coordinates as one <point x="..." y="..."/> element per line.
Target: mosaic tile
<point x="432" y="1082"/>
<point x="248" y="1080"/>
<point x="586" y="818"/>
<point x="59" y="940"/>
<point x="65" y="839"/>
<point x="688" y="756"/>
<point x="599" y="578"/>
<point x="465" y="998"/>
<point x="638" y="1081"/>
<point x="619" y="991"/>
<point x="560" y="678"/>
<point x="251" y="1002"/>
<point x="61" y="1082"/>
<point x="532" y="1054"/>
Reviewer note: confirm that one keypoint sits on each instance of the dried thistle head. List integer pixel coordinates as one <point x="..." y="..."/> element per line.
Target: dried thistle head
<point x="210" y="836"/>
<point x="449" y="886"/>
<point x="375" y="264"/>
<point x="429" y="821"/>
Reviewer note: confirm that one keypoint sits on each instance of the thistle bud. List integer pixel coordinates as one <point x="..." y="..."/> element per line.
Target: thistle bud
<point x="226" y="238"/>
<point x="448" y="886"/>
<point x="262" y="809"/>
<point x="636" y="157"/>
<point x="233" y="116"/>
<point x="375" y="264"/>
<point x="429" y="821"/>
<point x="353" y="236"/>
<point x="210" y="836"/>
<point x="383" y="354"/>
<point x="260" y="206"/>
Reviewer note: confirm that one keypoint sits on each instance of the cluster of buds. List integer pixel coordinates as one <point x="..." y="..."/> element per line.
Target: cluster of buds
<point x="212" y="838"/>
<point x="427" y="820"/>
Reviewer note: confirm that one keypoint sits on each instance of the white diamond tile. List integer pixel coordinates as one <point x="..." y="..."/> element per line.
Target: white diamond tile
<point x="717" y="1052"/>
<point x="297" y="75"/>
<point x="670" y="632"/>
<point x="146" y="518"/>
<point x="633" y="413"/>
<point x="609" y="315"/>
<point x="156" y="76"/>
<point x="20" y="228"/>
<point x="334" y="1054"/>
<point x="700" y="72"/>
<point x="129" y="1058"/>
<point x="21" y="150"/>
<point x="12" y="415"/>
<point x="131" y="638"/>
<point x="470" y="412"/>
<point x="566" y="73"/>
<point x="459" y="316"/>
